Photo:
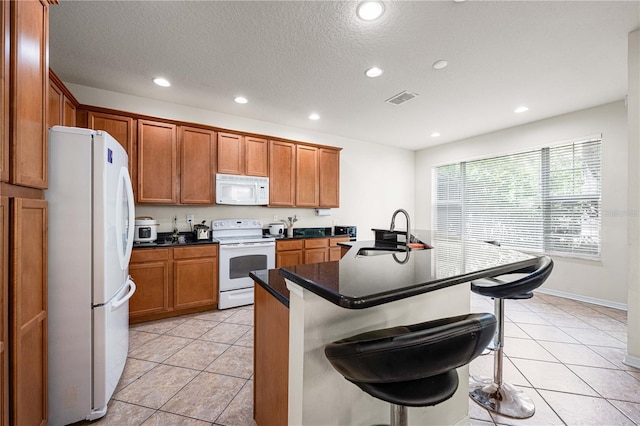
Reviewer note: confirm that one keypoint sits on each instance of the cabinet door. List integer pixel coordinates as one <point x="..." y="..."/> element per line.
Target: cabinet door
<point x="329" y="167"/>
<point x="197" y="165"/>
<point x="68" y="113"/>
<point x="230" y="153"/>
<point x="289" y="258"/>
<point x="271" y="360"/>
<point x="123" y="129"/>
<point x="282" y="173"/>
<point x="5" y="60"/>
<point x="256" y="153"/>
<point x="150" y="270"/>
<point x="4" y="309"/>
<point x="29" y="90"/>
<point x="157" y="163"/>
<point x="29" y="312"/>
<point x="317" y="255"/>
<point x="56" y="99"/>
<point x="307" y="176"/>
<point x="196" y="282"/>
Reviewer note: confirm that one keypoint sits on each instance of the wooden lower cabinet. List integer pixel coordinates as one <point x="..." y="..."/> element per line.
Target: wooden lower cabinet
<point x="173" y="281"/>
<point x="316" y="250"/>
<point x="289" y="252"/>
<point x="310" y="250"/>
<point x="196" y="276"/>
<point x="270" y="360"/>
<point x="28" y="306"/>
<point x="4" y="309"/>
<point x="151" y="270"/>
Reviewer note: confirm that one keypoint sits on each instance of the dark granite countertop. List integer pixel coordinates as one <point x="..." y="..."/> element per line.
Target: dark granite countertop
<point x="299" y="233"/>
<point x="358" y="282"/>
<point x="164" y="240"/>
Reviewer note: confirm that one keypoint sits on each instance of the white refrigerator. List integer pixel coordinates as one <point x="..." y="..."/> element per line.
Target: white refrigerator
<point x="91" y="225"/>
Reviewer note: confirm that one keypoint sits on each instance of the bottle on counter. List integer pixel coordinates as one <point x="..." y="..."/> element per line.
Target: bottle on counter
<point x="175" y="234"/>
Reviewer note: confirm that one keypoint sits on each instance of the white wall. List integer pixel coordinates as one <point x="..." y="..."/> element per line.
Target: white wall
<point x="603" y="281"/>
<point x="374" y="179"/>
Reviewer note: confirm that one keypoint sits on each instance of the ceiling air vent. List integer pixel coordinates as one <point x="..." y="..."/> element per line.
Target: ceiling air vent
<point x="401" y="98"/>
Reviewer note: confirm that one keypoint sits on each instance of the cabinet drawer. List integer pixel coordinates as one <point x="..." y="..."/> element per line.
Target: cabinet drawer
<point x="333" y="242"/>
<point x="191" y="252"/>
<point x="289" y="245"/>
<point x="312" y="243"/>
<point x="147" y="255"/>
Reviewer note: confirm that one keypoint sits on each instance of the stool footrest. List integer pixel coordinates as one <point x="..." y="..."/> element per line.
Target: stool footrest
<point x="505" y="399"/>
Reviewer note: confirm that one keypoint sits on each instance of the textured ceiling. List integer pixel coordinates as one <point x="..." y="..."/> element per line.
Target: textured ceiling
<point x="291" y="58"/>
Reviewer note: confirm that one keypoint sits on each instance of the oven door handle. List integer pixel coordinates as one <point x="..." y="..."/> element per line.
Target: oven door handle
<point x="243" y="245"/>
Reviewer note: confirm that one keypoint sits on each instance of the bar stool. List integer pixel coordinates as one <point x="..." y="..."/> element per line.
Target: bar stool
<point x="492" y="393"/>
<point x="412" y="365"/>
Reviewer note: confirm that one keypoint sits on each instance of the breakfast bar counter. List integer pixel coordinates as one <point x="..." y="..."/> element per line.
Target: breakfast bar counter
<point x="300" y="309"/>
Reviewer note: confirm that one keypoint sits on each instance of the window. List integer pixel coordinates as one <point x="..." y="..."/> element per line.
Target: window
<point x="546" y="200"/>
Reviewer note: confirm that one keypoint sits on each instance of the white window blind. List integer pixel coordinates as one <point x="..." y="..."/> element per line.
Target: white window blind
<point x="545" y="200"/>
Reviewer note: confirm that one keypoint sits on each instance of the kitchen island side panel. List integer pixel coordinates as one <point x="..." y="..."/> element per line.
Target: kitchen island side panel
<point x="319" y="395"/>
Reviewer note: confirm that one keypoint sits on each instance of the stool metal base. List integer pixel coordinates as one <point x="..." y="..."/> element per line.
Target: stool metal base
<point x="505" y="399"/>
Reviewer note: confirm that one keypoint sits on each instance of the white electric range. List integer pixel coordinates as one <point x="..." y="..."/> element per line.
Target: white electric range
<point x="243" y="249"/>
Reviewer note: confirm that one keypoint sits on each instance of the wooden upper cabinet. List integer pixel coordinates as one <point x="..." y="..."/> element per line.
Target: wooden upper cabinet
<point x="230" y="153"/>
<point x="157" y="162"/>
<point x="62" y="109"/>
<point x="242" y="155"/>
<point x="123" y="129"/>
<point x="256" y="153"/>
<point x="282" y="174"/>
<point x="56" y="100"/>
<point x="197" y="165"/>
<point x="307" y="176"/>
<point x="29" y="92"/>
<point x="329" y="167"/>
<point x="5" y="60"/>
<point x="4" y="309"/>
<point x="28" y="319"/>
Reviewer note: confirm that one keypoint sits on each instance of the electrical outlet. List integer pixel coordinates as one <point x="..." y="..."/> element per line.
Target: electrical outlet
<point x="189" y="218"/>
<point x="275" y="217"/>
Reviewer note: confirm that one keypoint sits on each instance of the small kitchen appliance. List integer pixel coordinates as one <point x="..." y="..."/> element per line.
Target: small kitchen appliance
<point x="351" y="231"/>
<point x="201" y="231"/>
<point x="277" y="229"/>
<point x="242" y="190"/>
<point x="146" y="230"/>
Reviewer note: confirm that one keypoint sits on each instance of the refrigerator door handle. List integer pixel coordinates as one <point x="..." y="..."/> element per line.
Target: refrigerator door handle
<point x="125" y="247"/>
<point x="120" y="299"/>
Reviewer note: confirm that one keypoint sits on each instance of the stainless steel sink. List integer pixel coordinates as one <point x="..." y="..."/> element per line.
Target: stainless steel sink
<point x="376" y="251"/>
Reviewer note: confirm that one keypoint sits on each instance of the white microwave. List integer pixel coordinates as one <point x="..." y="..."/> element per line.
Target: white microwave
<point x="242" y="190"/>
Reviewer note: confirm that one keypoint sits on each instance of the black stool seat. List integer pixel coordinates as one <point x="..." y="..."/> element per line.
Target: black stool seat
<point x="492" y="393"/>
<point x="412" y="365"/>
<point x="521" y="288"/>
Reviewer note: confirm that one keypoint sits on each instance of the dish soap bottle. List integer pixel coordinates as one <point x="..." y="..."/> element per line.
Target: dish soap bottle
<point x="175" y="234"/>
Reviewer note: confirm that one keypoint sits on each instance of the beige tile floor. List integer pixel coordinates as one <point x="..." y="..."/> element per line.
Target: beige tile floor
<point x="566" y="355"/>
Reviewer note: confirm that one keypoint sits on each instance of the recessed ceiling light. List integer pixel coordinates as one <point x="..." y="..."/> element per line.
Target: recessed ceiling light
<point x="161" y="82"/>
<point x="241" y="100"/>
<point x="370" y="10"/>
<point x="314" y="116"/>
<point x="373" y="72"/>
<point x="435" y="134"/>
<point x="438" y="65"/>
<point x="521" y="109"/>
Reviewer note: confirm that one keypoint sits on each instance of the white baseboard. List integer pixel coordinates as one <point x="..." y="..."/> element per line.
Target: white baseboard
<point x="631" y="361"/>
<point x="581" y="298"/>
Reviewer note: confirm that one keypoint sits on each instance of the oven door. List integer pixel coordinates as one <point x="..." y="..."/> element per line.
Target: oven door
<point x="237" y="260"/>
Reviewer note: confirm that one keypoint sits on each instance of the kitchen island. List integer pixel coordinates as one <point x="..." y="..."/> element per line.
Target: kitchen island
<point x="299" y="309"/>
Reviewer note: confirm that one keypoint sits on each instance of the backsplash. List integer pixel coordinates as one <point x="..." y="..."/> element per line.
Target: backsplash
<point x="164" y="215"/>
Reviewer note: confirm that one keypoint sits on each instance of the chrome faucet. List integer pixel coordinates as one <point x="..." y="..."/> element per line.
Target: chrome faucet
<point x="393" y="223"/>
